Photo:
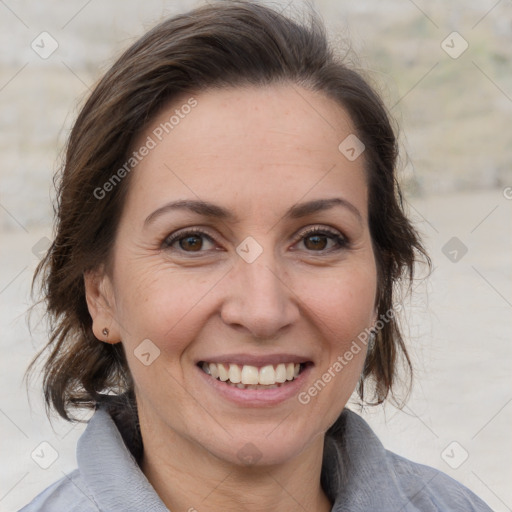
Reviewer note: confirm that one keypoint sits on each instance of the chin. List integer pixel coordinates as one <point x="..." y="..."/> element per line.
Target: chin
<point x="262" y="449"/>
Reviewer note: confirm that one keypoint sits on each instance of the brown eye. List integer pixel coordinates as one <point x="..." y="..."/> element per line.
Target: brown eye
<point x="317" y="240"/>
<point x="187" y="241"/>
<point x="191" y="242"/>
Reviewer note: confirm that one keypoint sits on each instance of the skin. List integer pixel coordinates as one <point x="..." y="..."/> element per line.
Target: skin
<point x="255" y="151"/>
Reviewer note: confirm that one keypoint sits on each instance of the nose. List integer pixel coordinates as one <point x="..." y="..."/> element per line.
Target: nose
<point x="260" y="299"/>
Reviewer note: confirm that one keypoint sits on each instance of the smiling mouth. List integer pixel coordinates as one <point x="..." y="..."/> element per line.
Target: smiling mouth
<point x="253" y="377"/>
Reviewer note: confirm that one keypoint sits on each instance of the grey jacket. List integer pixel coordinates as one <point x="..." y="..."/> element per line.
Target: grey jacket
<point x="358" y="475"/>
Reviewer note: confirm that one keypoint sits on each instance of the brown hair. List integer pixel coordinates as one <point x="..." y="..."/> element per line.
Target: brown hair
<point x="221" y="45"/>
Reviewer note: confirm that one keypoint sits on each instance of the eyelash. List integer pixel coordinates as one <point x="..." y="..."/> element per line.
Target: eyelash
<point x="341" y="241"/>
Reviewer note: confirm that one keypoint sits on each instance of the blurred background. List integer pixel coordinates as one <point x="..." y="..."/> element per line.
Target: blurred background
<point x="444" y="71"/>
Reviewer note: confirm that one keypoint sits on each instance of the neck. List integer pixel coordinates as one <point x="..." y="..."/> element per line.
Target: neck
<point x="188" y="478"/>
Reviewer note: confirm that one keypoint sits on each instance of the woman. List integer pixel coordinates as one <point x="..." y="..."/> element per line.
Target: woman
<point x="229" y="238"/>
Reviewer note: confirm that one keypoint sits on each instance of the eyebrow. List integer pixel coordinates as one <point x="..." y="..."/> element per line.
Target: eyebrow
<point x="297" y="211"/>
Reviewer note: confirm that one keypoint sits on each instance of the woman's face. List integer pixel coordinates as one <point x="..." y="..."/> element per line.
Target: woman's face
<point x="254" y="170"/>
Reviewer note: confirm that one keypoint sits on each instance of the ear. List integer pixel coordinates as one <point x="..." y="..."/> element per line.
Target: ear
<point x="101" y="304"/>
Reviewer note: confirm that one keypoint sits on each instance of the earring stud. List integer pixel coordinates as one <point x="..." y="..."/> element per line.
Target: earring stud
<point x="105" y="332"/>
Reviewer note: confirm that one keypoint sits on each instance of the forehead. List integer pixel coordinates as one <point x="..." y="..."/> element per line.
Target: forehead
<point x="246" y="146"/>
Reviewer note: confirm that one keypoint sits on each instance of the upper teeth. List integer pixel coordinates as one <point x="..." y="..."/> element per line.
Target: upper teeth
<point x="248" y="374"/>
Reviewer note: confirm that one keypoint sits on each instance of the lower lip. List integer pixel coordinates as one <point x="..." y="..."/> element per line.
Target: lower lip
<point x="257" y="397"/>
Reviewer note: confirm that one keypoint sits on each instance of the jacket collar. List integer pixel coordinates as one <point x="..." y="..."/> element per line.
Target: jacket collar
<point x="357" y="473"/>
<point x="117" y="483"/>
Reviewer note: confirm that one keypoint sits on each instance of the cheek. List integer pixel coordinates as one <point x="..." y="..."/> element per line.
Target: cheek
<point x="343" y="309"/>
<point x="166" y="308"/>
<point x="342" y="302"/>
<point x="161" y="304"/>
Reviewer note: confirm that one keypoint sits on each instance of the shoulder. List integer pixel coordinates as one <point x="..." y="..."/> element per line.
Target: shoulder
<point x="108" y="475"/>
<point x="429" y="489"/>
<point x="361" y="475"/>
<point x="69" y="493"/>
